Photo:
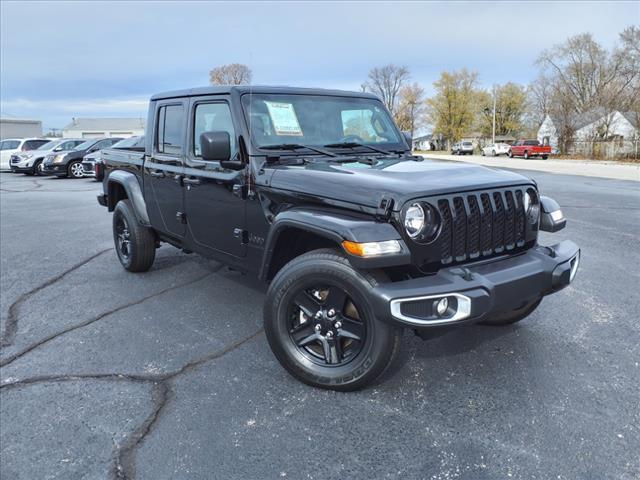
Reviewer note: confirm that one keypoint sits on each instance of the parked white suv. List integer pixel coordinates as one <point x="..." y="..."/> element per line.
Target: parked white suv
<point x="495" y="149"/>
<point x="9" y="146"/>
<point x="31" y="162"/>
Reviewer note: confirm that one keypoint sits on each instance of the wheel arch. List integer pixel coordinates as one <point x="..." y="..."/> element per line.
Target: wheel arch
<point x="298" y="231"/>
<point x="125" y="185"/>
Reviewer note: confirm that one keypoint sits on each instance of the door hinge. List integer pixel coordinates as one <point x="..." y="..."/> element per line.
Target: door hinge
<point x="383" y="212"/>
<point x="181" y="217"/>
<point x="243" y="235"/>
<point x="240" y="191"/>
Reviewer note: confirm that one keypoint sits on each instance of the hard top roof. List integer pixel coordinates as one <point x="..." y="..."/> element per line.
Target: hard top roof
<point x="226" y="89"/>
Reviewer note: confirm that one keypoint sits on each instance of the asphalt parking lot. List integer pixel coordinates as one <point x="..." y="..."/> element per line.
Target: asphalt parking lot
<point x="167" y="375"/>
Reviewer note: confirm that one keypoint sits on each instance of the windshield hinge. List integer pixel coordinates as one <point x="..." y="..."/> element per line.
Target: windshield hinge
<point x="383" y="212"/>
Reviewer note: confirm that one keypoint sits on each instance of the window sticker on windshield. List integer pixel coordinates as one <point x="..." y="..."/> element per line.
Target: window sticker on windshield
<point x="283" y="116"/>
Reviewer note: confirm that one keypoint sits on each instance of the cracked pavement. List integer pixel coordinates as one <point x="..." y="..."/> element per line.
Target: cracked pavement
<point x="166" y="374"/>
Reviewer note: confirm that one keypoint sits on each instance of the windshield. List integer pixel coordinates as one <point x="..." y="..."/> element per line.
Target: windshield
<point x="85" y="145"/>
<point x="318" y="120"/>
<point x="49" y="145"/>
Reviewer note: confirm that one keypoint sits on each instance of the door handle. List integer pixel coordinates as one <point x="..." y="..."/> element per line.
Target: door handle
<point x="157" y="174"/>
<point x="191" y="181"/>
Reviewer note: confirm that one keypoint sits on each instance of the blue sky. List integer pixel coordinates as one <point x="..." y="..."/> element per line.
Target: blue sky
<point x="65" y="59"/>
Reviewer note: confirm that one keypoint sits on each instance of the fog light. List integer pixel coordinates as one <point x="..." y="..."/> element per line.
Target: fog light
<point x="442" y="306"/>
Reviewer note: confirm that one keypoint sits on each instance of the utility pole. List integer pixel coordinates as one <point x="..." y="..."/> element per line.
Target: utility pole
<point x="494" y="115"/>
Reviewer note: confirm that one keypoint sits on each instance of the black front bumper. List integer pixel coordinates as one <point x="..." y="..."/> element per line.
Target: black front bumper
<point x="16" y="169"/>
<point x="477" y="292"/>
<point x="54" y="168"/>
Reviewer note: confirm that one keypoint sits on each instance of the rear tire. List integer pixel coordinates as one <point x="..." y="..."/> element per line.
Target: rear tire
<point x="510" y="154"/>
<point x="135" y="244"/>
<point x="544" y="157"/>
<point x="317" y="293"/>
<point x="526" y="155"/>
<point x="509" y="318"/>
<point x="37" y="168"/>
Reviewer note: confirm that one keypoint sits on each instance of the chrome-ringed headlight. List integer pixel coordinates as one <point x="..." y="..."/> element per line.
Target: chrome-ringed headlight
<point x="414" y="220"/>
<point x="421" y="222"/>
<point x="531" y="205"/>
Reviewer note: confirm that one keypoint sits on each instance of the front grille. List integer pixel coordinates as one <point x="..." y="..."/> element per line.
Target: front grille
<point x="481" y="224"/>
<point x="14" y="159"/>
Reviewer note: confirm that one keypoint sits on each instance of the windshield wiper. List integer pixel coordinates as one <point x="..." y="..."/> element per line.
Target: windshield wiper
<point x="298" y="146"/>
<point x="353" y="145"/>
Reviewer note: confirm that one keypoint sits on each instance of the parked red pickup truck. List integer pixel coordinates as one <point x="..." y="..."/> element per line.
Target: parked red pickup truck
<point x="529" y="148"/>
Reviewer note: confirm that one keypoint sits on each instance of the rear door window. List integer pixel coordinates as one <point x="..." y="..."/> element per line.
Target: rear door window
<point x="170" y="130"/>
<point x="33" y="144"/>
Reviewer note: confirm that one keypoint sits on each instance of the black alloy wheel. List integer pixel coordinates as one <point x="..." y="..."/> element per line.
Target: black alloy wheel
<point x="326" y="326"/>
<point x="123" y="240"/>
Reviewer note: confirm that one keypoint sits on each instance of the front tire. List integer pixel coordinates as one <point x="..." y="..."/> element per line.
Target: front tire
<point x="75" y="170"/>
<point x="526" y="155"/>
<point x="510" y="154"/>
<point x="509" y="318"/>
<point x="135" y="244"/>
<point x="321" y="327"/>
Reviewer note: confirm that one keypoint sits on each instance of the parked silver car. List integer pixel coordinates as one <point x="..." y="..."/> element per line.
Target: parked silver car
<point x="462" y="148"/>
<point x="30" y="162"/>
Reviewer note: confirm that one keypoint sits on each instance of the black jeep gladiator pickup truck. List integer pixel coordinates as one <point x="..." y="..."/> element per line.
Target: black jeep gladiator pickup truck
<point x="317" y="193"/>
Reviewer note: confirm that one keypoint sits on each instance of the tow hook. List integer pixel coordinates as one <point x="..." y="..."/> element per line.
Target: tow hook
<point x="463" y="272"/>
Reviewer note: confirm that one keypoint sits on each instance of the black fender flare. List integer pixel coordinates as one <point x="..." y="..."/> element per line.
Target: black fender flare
<point x="336" y="227"/>
<point x="547" y="222"/>
<point x="131" y="185"/>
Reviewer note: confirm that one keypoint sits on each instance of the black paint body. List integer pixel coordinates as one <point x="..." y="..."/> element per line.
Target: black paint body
<point x="254" y="219"/>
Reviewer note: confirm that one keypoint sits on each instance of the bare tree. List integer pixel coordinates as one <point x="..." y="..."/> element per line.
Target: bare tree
<point x="386" y="82"/>
<point x="232" y="74"/>
<point x="411" y="108"/>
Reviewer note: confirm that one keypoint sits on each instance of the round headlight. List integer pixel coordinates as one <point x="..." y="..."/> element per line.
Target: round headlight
<point x="414" y="220"/>
<point x="421" y="222"/>
<point x="531" y="206"/>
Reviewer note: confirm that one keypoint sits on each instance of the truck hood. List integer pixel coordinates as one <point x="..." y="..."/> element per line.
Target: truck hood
<point x="400" y="179"/>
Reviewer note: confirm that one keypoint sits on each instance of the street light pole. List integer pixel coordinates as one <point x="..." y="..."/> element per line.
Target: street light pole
<point x="494" y="114"/>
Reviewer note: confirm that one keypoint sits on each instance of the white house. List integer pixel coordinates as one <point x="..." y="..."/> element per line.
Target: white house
<point x="548" y="132"/>
<point x="423" y="143"/>
<point x="104" y="127"/>
<point x="19" y="128"/>
<point x="621" y="130"/>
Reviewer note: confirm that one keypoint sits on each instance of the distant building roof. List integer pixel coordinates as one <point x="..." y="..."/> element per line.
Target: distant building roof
<point x="18" y="120"/>
<point x="633" y="117"/>
<point x="503" y="138"/>
<point x="106" y="124"/>
<point x="423" y="137"/>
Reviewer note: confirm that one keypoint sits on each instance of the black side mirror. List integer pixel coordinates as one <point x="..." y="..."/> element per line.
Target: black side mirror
<point x="409" y="138"/>
<point x="216" y="146"/>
